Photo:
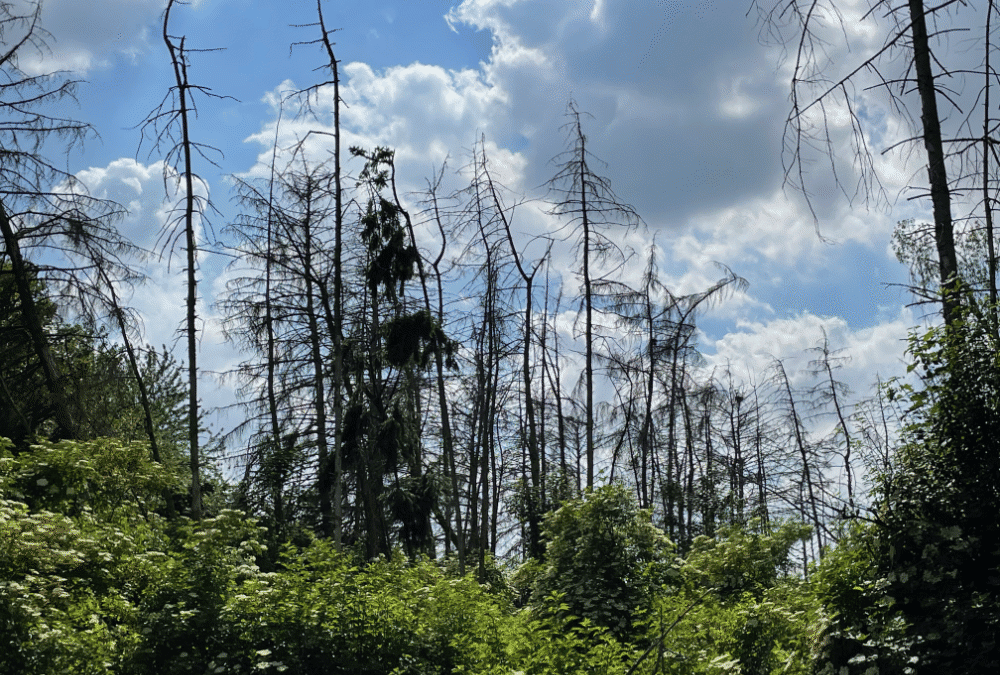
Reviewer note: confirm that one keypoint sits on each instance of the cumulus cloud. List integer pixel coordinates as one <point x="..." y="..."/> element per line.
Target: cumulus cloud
<point x="88" y="35"/>
<point x="152" y="201"/>
<point x="688" y="107"/>
<point x="423" y="112"/>
<point x="160" y="299"/>
<point x="755" y="345"/>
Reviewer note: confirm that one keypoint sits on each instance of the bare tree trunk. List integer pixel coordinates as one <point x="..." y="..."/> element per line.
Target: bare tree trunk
<point x="838" y="409"/>
<point x="761" y="474"/>
<point x="475" y="426"/>
<point x="588" y="299"/>
<point x="338" y="295"/>
<point x="272" y="356"/>
<point x="485" y="369"/>
<point x="488" y="383"/>
<point x="646" y="434"/>
<point x="671" y="479"/>
<point x="316" y="353"/>
<point x="68" y="427"/>
<point x="373" y="462"/>
<point x="133" y="362"/>
<point x="736" y="466"/>
<point x="685" y="499"/>
<point x="555" y="382"/>
<point x="543" y="345"/>
<point x="179" y="62"/>
<point x="271" y="342"/>
<point x="535" y="549"/>
<point x="447" y="439"/>
<point x="800" y="444"/>
<point x="991" y="256"/>
<point x="937" y="172"/>
<point x="589" y="200"/>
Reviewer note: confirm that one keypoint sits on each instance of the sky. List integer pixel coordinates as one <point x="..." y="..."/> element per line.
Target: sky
<point x="685" y="102"/>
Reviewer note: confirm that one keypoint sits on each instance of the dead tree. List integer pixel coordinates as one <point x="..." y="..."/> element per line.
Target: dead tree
<point x="593" y="209"/>
<point x="170" y="124"/>
<point x="798" y="25"/>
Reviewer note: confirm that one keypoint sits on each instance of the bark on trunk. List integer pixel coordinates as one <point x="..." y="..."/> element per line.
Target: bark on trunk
<point x="67" y="425"/>
<point x="937" y="172"/>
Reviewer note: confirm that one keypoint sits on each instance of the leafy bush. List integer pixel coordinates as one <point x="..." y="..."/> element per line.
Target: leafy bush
<point x="180" y="614"/>
<point x="604" y="559"/>
<point x="859" y="630"/>
<point x="732" y="610"/>
<point x="108" y="478"/>
<point x="93" y="581"/>
<point x="937" y="552"/>
<point x="102" y="584"/>
<point x="69" y="585"/>
<point x="324" y="614"/>
<point x="739" y="561"/>
<point x="550" y="640"/>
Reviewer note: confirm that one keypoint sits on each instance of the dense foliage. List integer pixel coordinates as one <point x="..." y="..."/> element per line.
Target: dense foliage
<point x="604" y="560"/>
<point x="384" y="425"/>
<point x="96" y="580"/>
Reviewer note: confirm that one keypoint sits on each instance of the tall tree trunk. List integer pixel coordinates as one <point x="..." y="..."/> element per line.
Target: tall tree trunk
<point x="555" y="382"/>
<point x="671" y="480"/>
<point x="800" y="444"/>
<point x="488" y="414"/>
<point x="685" y="499"/>
<point x="338" y="295"/>
<point x="417" y="461"/>
<point x="646" y="433"/>
<point x="179" y="62"/>
<point x="736" y="470"/>
<point x="535" y="548"/>
<point x="591" y="203"/>
<point x="447" y="440"/>
<point x="761" y="473"/>
<point x="838" y="409"/>
<point x="316" y="354"/>
<point x="133" y="362"/>
<point x="271" y="342"/>
<point x="991" y="256"/>
<point x="588" y="298"/>
<point x="374" y="467"/>
<point x="475" y="426"/>
<point x="68" y="427"/>
<point x="937" y="172"/>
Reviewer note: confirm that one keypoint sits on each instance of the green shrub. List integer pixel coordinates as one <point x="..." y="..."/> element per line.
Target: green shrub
<point x="105" y="477"/>
<point x="738" y="561"/>
<point x="604" y="559"/>
<point x="550" y="640"/>
<point x="323" y="614"/>
<point x="734" y="610"/>
<point x="69" y="585"/>
<point x="180" y="618"/>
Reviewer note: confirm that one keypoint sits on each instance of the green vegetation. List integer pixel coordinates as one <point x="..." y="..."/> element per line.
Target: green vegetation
<point x="95" y="580"/>
<point x="419" y="493"/>
<point x="98" y="576"/>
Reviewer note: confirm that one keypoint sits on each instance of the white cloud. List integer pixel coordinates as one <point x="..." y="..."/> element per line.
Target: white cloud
<point x="150" y="200"/>
<point x="754" y="346"/>
<point x="412" y="107"/>
<point x="421" y="111"/>
<point x="88" y="35"/>
<point x="161" y="298"/>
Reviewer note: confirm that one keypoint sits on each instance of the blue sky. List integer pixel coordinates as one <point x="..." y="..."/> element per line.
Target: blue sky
<point x="687" y="107"/>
